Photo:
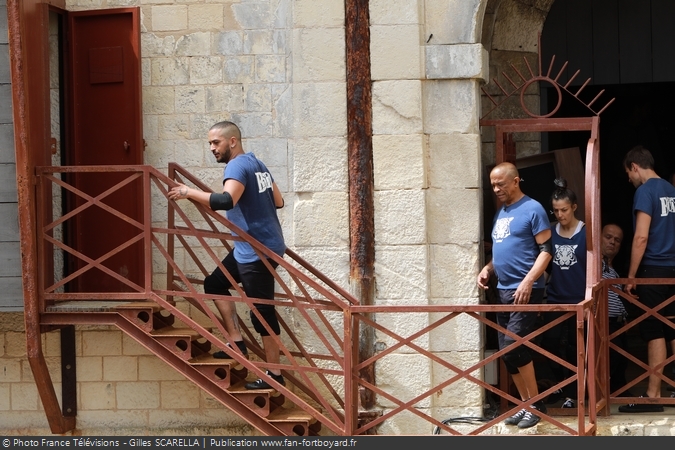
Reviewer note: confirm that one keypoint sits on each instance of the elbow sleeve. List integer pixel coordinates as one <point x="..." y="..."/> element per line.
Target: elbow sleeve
<point x="546" y="247"/>
<point x="221" y="202"/>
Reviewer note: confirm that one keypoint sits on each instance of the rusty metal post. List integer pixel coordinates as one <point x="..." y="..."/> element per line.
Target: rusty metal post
<point x="360" y="154"/>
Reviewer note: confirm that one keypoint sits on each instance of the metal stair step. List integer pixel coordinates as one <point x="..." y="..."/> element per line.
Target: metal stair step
<point x="261" y="401"/>
<point x="292" y="421"/>
<point x="140" y="305"/>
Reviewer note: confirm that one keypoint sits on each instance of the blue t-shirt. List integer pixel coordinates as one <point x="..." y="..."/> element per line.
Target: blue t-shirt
<point x="514" y="249"/>
<point x="656" y="197"/>
<point x="568" y="267"/>
<point x="255" y="212"/>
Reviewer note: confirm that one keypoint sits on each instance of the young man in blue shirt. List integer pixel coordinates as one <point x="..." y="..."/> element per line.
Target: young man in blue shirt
<point x="652" y="256"/>
<point x="250" y="198"/>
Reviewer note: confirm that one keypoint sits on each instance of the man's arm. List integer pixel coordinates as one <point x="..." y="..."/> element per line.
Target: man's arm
<point x="232" y="187"/>
<point x="642" y="223"/>
<point x="278" y="198"/>
<point x="524" y="290"/>
<point x="484" y="276"/>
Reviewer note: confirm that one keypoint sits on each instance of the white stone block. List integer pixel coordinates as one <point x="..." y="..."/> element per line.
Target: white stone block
<point x="462" y="333"/>
<point x="321" y="219"/>
<point x="169" y="71"/>
<point x="318" y="13"/>
<point x="153" y="45"/>
<point x="270" y="68"/>
<point x="239" y="69"/>
<point x="462" y="392"/>
<point x="456" y="61"/>
<point x="402" y="325"/>
<point x="169" y="17"/>
<point x="174" y="127"/>
<point x="400" y="217"/>
<point x="455" y="161"/>
<point x="325" y="173"/>
<point x="253" y="15"/>
<point x="399" y="162"/>
<point x="194" y="44"/>
<point x="451" y="106"/>
<point x="319" y="109"/>
<point x="404" y="376"/>
<point x="190" y="99"/>
<point x="257" y="97"/>
<point x="397" y="107"/>
<point x="205" y="17"/>
<point x="318" y="54"/>
<point x="224" y="97"/>
<point x="158" y="100"/>
<point x="454" y="21"/>
<point x="395" y="12"/>
<point x="401" y="272"/>
<point x="454" y="215"/>
<point x="206" y="70"/>
<point x="257" y="42"/>
<point x="453" y="270"/>
<point x="396" y="53"/>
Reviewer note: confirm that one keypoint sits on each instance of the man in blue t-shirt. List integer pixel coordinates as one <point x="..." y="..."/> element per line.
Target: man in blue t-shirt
<point x="521" y="251"/>
<point x="250" y="198"/>
<point x="652" y="256"/>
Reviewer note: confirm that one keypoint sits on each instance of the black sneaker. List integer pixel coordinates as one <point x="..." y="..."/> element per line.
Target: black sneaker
<point x="240" y="345"/>
<point x="262" y="384"/>
<point x="641" y="407"/>
<point x="517" y="417"/>
<point x="569" y="403"/>
<point x="530" y="419"/>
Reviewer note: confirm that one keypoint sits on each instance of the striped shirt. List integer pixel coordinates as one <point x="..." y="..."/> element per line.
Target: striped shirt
<point x="615" y="305"/>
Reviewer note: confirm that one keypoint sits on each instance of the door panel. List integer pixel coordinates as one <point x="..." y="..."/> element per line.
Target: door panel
<point x="105" y="128"/>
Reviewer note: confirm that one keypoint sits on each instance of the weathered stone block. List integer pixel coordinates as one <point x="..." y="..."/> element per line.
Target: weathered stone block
<point x="445" y="153"/>
<point x="401" y="272"/>
<point x="456" y="61"/>
<point x="318" y="14"/>
<point x="206" y="70"/>
<point x="405" y="377"/>
<point x="101" y="343"/>
<point x="95" y="396"/>
<point x="179" y="395"/>
<point x="169" y="71"/>
<point x="400" y="217"/>
<point x="169" y="17"/>
<point x="259" y="42"/>
<point x="224" y="97"/>
<point x="455" y="268"/>
<point x="460" y="114"/>
<point x="461" y="392"/>
<point x="120" y="368"/>
<point x="15" y="344"/>
<point x="396" y="53"/>
<point x="137" y="395"/>
<point x="10" y="370"/>
<point x="320" y="219"/>
<point x="397" y="107"/>
<point x="403" y="325"/>
<point x="205" y="17"/>
<point x="454" y="215"/>
<point x="319" y="109"/>
<point x="89" y="368"/>
<point x="24" y="397"/>
<point x="462" y="333"/>
<point x="151" y="368"/>
<point x="158" y="100"/>
<point x="390" y="172"/>
<point x="318" y="54"/>
<point x="239" y="69"/>
<point x="270" y="68"/>
<point x="253" y="15"/>
<point x="257" y="97"/>
<point x="328" y="173"/>
<point x="395" y="12"/>
<point x="194" y="44"/>
<point x="454" y="21"/>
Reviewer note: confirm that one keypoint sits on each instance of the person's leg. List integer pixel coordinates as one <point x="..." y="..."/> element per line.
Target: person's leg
<point x="258" y="282"/>
<point x="217" y="283"/>
<point x="656" y="354"/>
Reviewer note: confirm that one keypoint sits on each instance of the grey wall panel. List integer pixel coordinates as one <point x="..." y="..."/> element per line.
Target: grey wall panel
<point x="7" y="143"/>
<point x="4" y="64"/>
<point x="10" y="260"/>
<point x="8" y="185"/>
<point x="12" y="294"/>
<point x="9" y="222"/>
<point x="5" y="103"/>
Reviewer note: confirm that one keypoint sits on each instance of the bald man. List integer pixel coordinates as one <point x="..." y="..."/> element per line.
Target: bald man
<point x="521" y="251"/>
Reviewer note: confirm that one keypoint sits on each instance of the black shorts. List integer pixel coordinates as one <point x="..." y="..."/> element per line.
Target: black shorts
<point x="652" y="295"/>
<point x="256" y="280"/>
<point x="520" y="323"/>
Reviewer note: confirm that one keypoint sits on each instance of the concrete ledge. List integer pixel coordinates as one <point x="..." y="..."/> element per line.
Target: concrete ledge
<point x="459" y="61"/>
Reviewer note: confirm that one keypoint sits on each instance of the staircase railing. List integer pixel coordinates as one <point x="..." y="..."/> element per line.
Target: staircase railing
<point x="183" y="242"/>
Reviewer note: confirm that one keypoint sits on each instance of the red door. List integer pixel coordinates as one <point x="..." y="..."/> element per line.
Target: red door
<point x="105" y="129"/>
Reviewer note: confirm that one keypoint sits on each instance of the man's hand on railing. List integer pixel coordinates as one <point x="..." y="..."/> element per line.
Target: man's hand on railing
<point x="178" y="192"/>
